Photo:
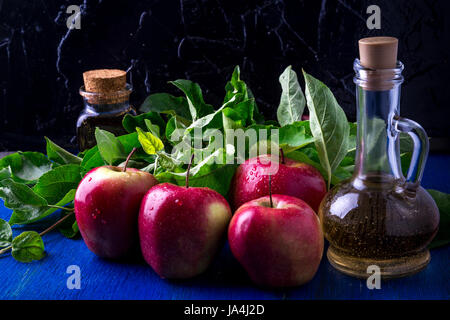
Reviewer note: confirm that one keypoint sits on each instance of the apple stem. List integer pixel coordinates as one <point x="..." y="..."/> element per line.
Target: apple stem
<point x="188" y="171"/>
<point x="282" y="156"/>
<point x="128" y="159"/>
<point x="270" y="190"/>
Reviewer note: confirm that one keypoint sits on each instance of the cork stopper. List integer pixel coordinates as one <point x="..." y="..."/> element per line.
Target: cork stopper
<point x="104" y="80"/>
<point x="378" y="52"/>
<point x="105" y="86"/>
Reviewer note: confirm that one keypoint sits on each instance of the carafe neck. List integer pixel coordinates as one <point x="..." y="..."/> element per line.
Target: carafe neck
<point x="378" y="103"/>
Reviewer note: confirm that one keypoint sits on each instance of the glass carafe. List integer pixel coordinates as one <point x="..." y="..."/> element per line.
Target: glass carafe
<point x="379" y="217"/>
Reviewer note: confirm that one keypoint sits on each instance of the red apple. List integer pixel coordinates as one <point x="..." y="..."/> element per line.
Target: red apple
<point x="279" y="246"/>
<point x="293" y="178"/>
<point x="181" y="228"/>
<point x="107" y="206"/>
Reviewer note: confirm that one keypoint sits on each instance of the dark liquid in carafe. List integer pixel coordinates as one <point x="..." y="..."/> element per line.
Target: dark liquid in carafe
<point x="377" y="218"/>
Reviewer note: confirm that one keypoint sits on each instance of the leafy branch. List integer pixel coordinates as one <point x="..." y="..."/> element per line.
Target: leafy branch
<point x="36" y="185"/>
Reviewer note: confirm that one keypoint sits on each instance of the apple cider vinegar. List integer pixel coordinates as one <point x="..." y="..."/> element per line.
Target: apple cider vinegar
<point x="373" y="220"/>
<point x="379" y="217"/>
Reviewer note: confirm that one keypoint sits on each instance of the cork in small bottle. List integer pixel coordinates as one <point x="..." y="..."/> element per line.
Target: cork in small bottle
<point x="379" y="56"/>
<point x="105" y="86"/>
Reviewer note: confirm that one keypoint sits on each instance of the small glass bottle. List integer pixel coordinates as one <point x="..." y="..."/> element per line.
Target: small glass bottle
<point x="106" y="101"/>
<point x="379" y="217"/>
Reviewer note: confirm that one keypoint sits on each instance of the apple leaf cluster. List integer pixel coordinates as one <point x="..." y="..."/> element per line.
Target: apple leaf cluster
<point x="35" y="185"/>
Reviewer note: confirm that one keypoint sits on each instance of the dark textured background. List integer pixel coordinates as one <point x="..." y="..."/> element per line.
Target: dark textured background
<point x="41" y="61"/>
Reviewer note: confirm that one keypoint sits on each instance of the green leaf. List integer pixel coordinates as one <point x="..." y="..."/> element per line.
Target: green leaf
<point x="129" y="141"/>
<point x="59" y="155"/>
<point x="328" y="123"/>
<point x="149" y="142"/>
<point x="311" y="157"/>
<point x="352" y="136"/>
<point x="295" y="136"/>
<point x="54" y="184"/>
<point x="238" y="115"/>
<point x="342" y="173"/>
<point x="242" y="110"/>
<point x="257" y="116"/>
<point x="167" y="162"/>
<point x="210" y="172"/>
<point x="69" y="227"/>
<point x="166" y="103"/>
<point x="172" y="125"/>
<point x="149" y="168"/>
<point x="290" y="137"/>
<point x="81" y="154"/>
<point x="405" y="161"/>
<point x="197" y="106"/>
<point x="406" y="142"/>
<point x="240" y="100"/>
<point x="443" y="202"/>
<point x="92" y="159"/>
<point x="5" y="233"/>
<point x="217" y="119"/>
<point x="292" y="101"/>
<point x="22" y="199"/>
<point x="5" y="173"/>
<point x="236" y="87"/>
<point x="28" y="246"/>
<point x="153" y="128"/>
<point x="302" y="156"/>
<point x="110" y="148"/>
<point x="232" y="119"/>
<point x="30" y="217"/>
<point x="26" y="167"/>
<point x="218" y="179"/>
<point x="210" y="121"/>
<point x="130" y="122"/>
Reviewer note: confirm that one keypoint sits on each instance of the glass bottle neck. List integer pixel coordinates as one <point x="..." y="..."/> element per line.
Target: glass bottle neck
<point x="105" y="103"/>
<point x="104" y="109"/>
<point x="378" y="102"/>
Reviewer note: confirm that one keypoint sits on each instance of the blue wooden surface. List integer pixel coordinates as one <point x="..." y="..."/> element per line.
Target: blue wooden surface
<point x="133" y="279"/>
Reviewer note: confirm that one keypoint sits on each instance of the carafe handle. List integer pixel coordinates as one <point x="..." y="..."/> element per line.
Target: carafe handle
<point x="420" y="152"/>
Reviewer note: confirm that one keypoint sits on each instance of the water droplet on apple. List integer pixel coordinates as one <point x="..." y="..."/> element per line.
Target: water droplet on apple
<point x="178" y="202"/>
<point x="90" y="178"/>
<point x="95" y="213"/>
